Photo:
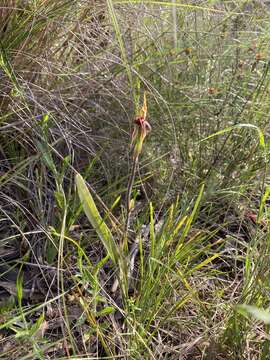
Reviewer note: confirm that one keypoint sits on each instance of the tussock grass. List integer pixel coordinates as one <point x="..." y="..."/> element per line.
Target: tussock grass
<point x="104" y="257"/>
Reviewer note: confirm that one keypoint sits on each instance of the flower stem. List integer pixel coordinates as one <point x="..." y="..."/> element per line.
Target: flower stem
<point x="128" y="200"/>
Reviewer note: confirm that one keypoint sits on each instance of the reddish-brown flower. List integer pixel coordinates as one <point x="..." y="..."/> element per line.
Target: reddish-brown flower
<point x="141" y="129"/>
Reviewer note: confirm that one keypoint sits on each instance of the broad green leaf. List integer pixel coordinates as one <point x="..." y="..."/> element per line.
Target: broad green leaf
<point x="46" y="156"/>
<point x="19" y="286"/>
<point x="257" y="313"/>
<point x="262" y="203"/>
<point x="95" y="219"/>
<point x="60" y="199"/>
<point x="106" y="311"/>
<point x="34" y="328"/>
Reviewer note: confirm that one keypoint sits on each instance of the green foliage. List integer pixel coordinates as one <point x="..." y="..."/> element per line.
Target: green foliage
<point x="258" y="314"/>
<point x="184" y="271"/>
<point x="95" y="219"/>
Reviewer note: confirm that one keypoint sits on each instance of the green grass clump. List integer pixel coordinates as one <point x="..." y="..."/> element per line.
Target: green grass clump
<point x="117" y="241"/>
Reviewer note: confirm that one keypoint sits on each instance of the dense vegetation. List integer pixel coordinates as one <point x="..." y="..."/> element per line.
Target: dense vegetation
<point x="134" y="179"/>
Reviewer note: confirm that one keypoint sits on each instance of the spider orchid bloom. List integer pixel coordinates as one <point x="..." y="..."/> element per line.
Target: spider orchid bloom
<point x="141" y="129"/>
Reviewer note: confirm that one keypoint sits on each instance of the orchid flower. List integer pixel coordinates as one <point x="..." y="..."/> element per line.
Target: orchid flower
<point x="141" y="129"/>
